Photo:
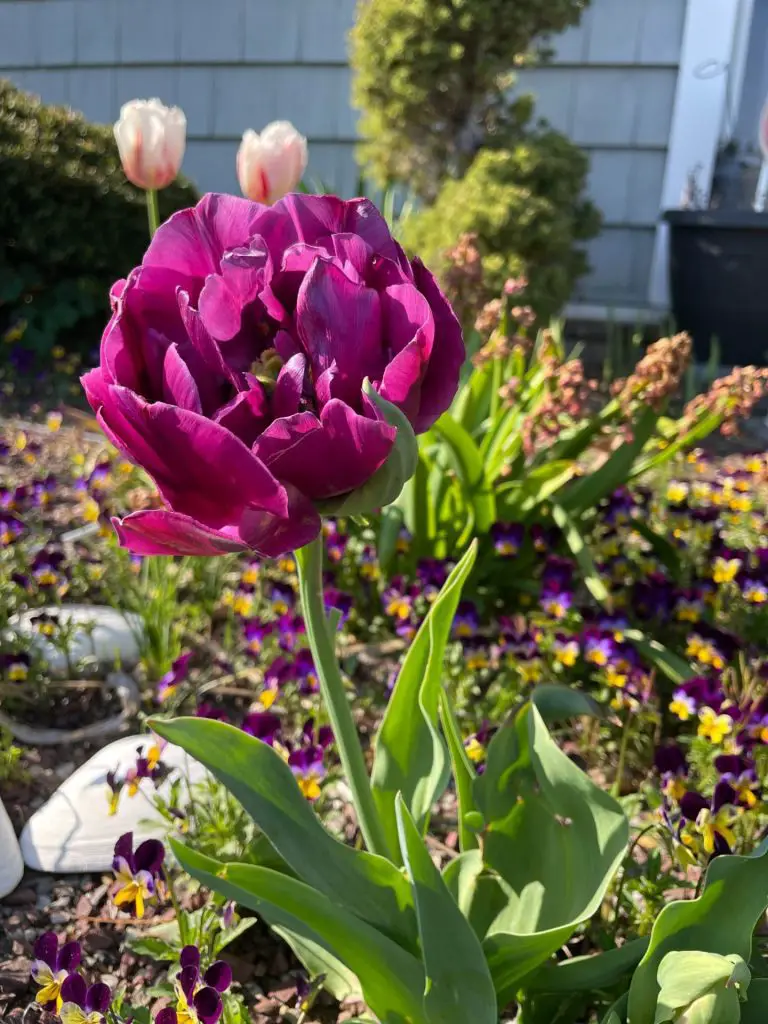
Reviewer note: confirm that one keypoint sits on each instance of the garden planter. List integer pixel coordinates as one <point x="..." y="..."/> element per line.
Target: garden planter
<point x="718" y="268"/>
<point x="11" y="863"/>
<point x="74" y="832"/>
<point x="107" y="635"/>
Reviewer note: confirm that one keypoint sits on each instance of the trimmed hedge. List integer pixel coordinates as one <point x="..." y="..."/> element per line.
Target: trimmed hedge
<point x="70" y="224"/>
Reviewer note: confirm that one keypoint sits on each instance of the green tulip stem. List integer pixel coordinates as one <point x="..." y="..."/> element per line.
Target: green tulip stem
<point x="153" y="211"/>
<point x="309" y="560"/>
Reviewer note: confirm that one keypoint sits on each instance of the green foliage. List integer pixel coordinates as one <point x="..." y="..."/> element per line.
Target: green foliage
<point x="524" y="203"/>
<point x="70" y="221"/>
<point x="430" y="77"/>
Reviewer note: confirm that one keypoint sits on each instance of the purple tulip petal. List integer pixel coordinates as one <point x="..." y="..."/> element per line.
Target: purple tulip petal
<point x="98" y="998"/>
<point x="246" y="415"/>
<point x="160" y="532"/>
<point x="219" y="976"/>
<point x="200" y="469"/>
<point x="149" y="856"/>
<point x="68" y="956"/>
<point x="74" y="990"/>
<point x="200" y="339"/>
<point x="353" y="254"/>
<point x="312" y="217"/>
<point x="442" y="377"/>
<point x="179" y="386"/>
<point x="362" y="218"/>
<point x="46" y="947"/>
<point x="325" y="457"/>
<point x="166" y="1016"/>
<point x="339" y="321"/>
<point x="190" y="957"/>
<point x="192" y="241"/>
<point x="271" y="537"/>
<point x="208" y="1005"/>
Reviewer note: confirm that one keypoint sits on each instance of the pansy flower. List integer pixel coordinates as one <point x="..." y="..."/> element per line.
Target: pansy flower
<point x="707" y="825"/>
<point x="725" y="568"/>
<point x="278" y="672"/>
<point x="198" y="994"/>
<point x="15" y="666"/>
<point x="741" y="776"/>
<point x="174" y="677"/>
<point x="51" y="967"/>
<point x="255" y="632"/>
<point x="84" y="1004"/>
<point x="335" y="540"/>
<point x="466" y="621"/>
<point x="566" y="650"/>
<point x="45" y="568"/>
<point x="250" y="574"/>
<point x="403" y="542"/>
<point x="476" y="654"/>
<point x="333" y="598"/>
<point x="432" y="574"/>
<point x="263" y="725"/>
<point x="11" y="529"/>
<point x="682" y="705"/>
<point x="713" y="726"/>
<point x="507" y="538"/>
<point x="397" y="599"/>
<point x="308" y="769"/>
<point x="207" y="709"/>
<point x="754" y="591"/>
<point x="689" y="606"/>
<point x="599" y="647"/>
<point x="542" y="537"/>
<point x="289" y="628"/>
<point x="305" y="672"/>
<point x="114" y="789"/>
<point x="148" y="766"/>
<point x="281" y="598"/>
<point x="670" y="762"/>
<point x="138" y="871"/>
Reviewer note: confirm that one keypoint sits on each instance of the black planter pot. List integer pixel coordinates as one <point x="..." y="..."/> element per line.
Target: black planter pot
<point x="719" y="281"/>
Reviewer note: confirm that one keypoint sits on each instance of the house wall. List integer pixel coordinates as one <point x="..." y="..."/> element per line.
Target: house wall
<point x="610" y="88"/>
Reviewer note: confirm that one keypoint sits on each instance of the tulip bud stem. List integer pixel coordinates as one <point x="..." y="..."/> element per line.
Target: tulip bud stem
<point x="309" y="561"/>
<point x="153" y="211"/>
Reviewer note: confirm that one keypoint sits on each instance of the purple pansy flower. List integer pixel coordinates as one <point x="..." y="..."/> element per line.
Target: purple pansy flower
<point x="82" y="1003"/>
<point x="233" y="367"/>
<point x="198" y="994"/>
<point x="507" y="538"/>
<point x="264" y="725"/>
<point x="51" y="967"/>
<point x="466" y="621"/>
<point x="138" y="871"/>
<point x="309" y="770"/>
<point x="172" y="680"/>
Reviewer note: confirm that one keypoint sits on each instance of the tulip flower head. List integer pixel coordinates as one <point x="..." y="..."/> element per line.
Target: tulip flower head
<point x="198" y="994"/>
<point x="271" y="164"/>
<point x="51" y="967"/>
<point x="138" y="872"/>
<point x="151" y="139"/>
<point x="269" y="365"/>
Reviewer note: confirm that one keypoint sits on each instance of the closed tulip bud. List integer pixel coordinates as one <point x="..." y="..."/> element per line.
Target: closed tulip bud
<point x="151" y="139"/>
<point x="271" y="164"/>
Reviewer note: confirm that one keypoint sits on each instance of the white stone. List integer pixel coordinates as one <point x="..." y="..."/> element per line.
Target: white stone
<point x="112" y="636"/>
<point x="11" y="864"/>
<point x="73" y="831"/>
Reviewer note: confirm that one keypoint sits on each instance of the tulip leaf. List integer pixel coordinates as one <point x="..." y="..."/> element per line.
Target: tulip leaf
<point x="589" y="973"/>
<point x="386" y="483"/>
<point x="721" y="920"/>
<point x="653" y="460"/>
<point x="468" y="462"/>
<point x="369" y="885"/>
<point x="447" y="940"/>
<point x="391" y="979"/>
<point x="411" y="757"/>
<point x="337" y="979"/>
<point x="755" y="1009"/>
<point x="463" y="772"/>
<point x="674" y="667"/>
<point x="618" y="1012"/>
<point x="555" y="702"/>
<point x="548" y="885"/>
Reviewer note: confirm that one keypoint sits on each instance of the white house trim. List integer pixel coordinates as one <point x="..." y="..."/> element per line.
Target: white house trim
<point x="713" y="37"/>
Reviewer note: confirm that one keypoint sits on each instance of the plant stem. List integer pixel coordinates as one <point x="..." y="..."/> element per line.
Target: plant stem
<point x="153" y="211"/>
<point x="616" y="789"/>
<point x="309" y="561"/>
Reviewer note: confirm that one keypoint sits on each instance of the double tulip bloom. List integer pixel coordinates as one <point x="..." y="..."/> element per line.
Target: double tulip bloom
<point x="151" y="139"/>
<point x="264" y="364"/>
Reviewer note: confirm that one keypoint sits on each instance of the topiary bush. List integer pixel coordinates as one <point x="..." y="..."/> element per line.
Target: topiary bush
<point x="70" y="224"/>
<point x="525" y="206"/>
<point x="433" y="79"/>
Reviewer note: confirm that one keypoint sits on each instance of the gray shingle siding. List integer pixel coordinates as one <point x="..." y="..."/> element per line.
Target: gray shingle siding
<point x="610" y="87"/>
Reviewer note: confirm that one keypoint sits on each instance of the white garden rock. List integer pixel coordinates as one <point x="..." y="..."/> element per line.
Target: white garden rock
<point x="11" y="863"/>
<point x="73" y="831"/>
<point x="108" y="636"/>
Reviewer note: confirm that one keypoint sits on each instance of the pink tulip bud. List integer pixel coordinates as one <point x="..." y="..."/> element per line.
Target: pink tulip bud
<point x="271" y="164"/>
<point x="151" y="139"/>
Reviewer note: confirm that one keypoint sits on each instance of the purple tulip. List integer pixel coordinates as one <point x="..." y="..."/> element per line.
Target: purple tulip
<point x="233" y="367"/>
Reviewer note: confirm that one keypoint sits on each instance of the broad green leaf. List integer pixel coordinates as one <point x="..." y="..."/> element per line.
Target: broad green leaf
<point x="520" y="498"/>
<point x="553" y="838"/>
<point x="618" y="1012"/>
<point x="339" y="980"/>
<point x="469" y="465"/>
<point x="391" y="979"/>
<point x="721" y="920"/>
<point x="463" y="772"/>
<point x="458" y="985"/>
<point x="556" y="702"/>
<point x="392" y="520"/>
<point x="410" y="752"/>
<point x="589" y="973"/>
<point x="574" y="538"/>
<point x="259" y="778"/>
<point x="475" y="889"/>
<point x="670" y="664"/>
<point x="588" y="491"/>
<point x="755" y="1010"/>
<point x="686" y="975"/>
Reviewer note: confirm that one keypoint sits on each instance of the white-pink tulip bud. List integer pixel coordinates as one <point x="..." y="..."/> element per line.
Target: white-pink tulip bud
<point x="151" y="139"/>
<point x="271" y="164"/>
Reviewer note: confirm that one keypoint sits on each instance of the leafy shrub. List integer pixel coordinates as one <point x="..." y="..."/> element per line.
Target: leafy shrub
<point x="70" y="223"/>
<point x="525" y="206"/>
<point x="433" y="81"/>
